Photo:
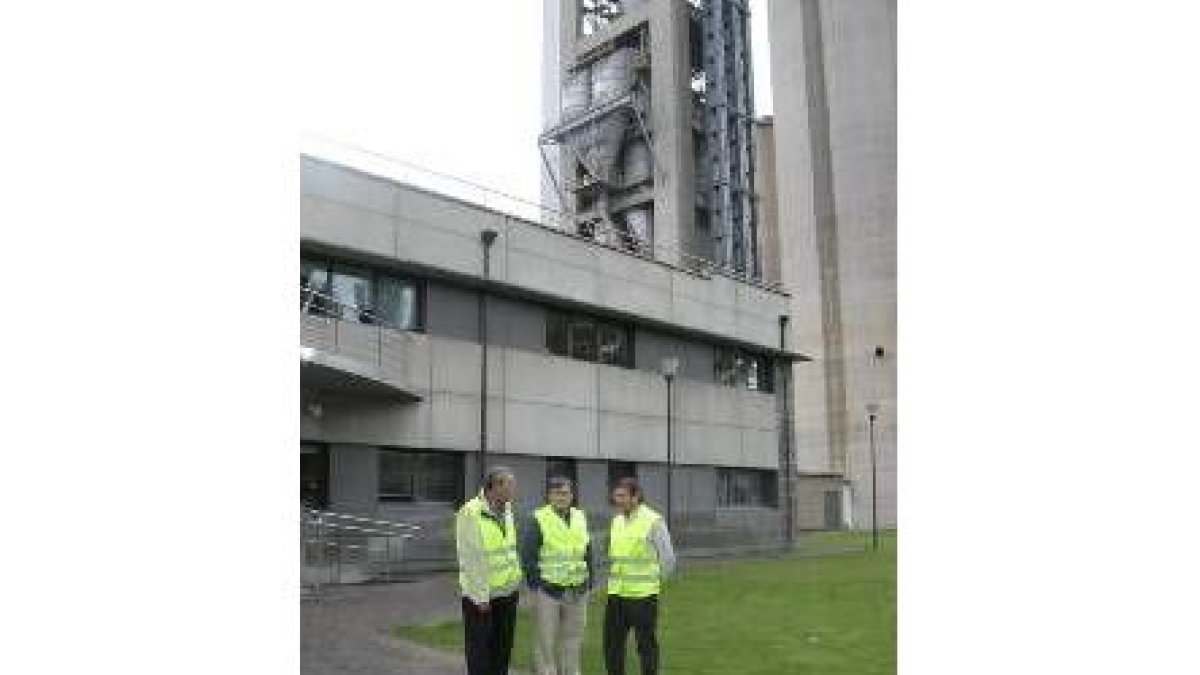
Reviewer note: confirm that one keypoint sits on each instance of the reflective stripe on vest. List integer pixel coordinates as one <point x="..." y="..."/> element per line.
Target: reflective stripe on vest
<point x="500" y="546"/>
<point x="634" y="570"/>
<point x="561" y="557"/>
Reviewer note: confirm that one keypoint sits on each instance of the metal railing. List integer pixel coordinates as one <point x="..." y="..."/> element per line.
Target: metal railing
<point x="323" y="304"/>
<point x="332" y="544"/>
<point x="528" y="211"/>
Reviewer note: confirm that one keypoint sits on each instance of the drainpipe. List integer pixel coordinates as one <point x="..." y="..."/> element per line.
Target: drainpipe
<point x="786" y="464"/>
<point x="487" y="237"/>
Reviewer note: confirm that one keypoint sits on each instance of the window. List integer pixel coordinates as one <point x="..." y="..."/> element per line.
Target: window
<point x="397" y="303"/>
<point x="738" y="368"/>
<point x="613" y="344"/>
<point x="352" y="293"/>
<point x="314" y="286"/>
<point x="726" y="373"/>
<point x="746" y="487"/>
<point x="761" y="374"/>
<point x="556" y="334"/>
<point x="420" y="477"/>
<point x="561" y="466"/>
<point x="589" y="339"/>
<point x="583" y="339"/>
<point x="359" y="293"/>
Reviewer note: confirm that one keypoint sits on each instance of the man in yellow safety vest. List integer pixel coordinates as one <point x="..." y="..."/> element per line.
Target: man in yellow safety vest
<point x="640" y="556"/>
<point x="489" y="573"/>
<point x="556" y="558"/>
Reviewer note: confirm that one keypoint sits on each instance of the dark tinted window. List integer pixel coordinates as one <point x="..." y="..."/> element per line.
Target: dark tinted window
<point x="589" y="339"/>
<point x="739" y="368"/>
<point x="613" y="344"/>
<point x="396" y="303"/>
<point x="746" y="487"/>
<point x="556" y="334"/>
<point x="415" y="476"/>
<point x="583" y="339"/>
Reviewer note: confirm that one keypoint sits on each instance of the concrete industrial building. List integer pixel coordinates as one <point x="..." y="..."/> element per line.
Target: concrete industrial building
<point x="659" y="248"/>
<point x="393" y="290"/>
<point x="833" y="72"/>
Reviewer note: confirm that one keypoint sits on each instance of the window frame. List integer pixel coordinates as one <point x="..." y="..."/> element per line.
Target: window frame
<point x="376" y="275"/>
<point x="567" y="322"/>
<point x="420" y="494"/>
<point x="745" y="487"/>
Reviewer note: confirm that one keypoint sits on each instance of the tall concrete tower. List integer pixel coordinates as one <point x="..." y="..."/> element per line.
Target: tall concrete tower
<point x="834" y="87"/>
<point x="648" y="112"/>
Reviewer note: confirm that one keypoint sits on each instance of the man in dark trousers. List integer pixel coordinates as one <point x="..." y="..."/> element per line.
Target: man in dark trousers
<point x="640" y="556"/>
<point x="489" y="573"/>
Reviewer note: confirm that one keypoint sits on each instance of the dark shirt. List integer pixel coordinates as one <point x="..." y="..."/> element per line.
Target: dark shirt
<point x="531" y="543"/>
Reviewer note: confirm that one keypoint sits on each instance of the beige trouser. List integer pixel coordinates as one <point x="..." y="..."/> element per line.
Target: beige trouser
<point x="558" y="633"/>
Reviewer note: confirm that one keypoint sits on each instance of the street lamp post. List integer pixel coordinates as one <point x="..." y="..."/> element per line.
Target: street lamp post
<point x="670" y="367"/>
<point x="872" y="414"/>
<point x="487" y="237"/>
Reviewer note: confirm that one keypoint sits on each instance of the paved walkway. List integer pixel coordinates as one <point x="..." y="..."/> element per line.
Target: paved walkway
<point x="347" y="631"/>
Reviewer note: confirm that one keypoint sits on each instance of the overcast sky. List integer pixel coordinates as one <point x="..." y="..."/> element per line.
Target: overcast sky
<point x="452" y="85"/>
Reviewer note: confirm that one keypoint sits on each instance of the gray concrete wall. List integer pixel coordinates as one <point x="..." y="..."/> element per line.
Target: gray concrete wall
<point x="547" y="405"/>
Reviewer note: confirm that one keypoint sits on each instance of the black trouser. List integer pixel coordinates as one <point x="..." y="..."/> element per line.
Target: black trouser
<point x="621" y="614"/>
<point x="489" y="635"/>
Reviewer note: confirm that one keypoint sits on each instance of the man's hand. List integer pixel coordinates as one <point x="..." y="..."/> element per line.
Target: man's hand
<point x="483" y="607"/>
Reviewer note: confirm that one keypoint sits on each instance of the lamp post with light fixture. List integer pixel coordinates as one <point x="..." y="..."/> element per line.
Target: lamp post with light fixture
<point x="670" y="368"/>
<point x="872" y="414"/>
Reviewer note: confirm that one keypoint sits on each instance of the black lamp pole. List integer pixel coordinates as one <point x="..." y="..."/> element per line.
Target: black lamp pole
<point x="670" y="452"/>
<point x="871" y="414"/>
<point x="670" y="366"/>
<point x="487" y="237"/>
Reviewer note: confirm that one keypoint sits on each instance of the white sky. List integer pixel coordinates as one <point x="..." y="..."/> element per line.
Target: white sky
<point x="451" y="85"/>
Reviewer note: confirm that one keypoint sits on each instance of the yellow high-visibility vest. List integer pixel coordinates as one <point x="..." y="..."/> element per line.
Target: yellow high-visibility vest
<point x="635" y="570"/>
<point x="562" y="556"/>
<point x="499" y="546"/>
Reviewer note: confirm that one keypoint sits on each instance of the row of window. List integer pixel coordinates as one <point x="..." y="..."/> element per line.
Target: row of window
<point x="369" y="295"/>
<point x="588" y="338"/>
<point x="410" y="477"/>
<point x="359" y="293"/>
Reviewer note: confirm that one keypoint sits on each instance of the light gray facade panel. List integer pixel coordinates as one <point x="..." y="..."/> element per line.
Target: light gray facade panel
<point x="517" y="324"/>
<point x="353" y="478"/>
<point x="451" y="311"/>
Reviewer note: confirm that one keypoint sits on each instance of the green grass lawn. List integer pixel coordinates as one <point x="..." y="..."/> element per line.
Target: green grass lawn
<point x="824" y="615"/>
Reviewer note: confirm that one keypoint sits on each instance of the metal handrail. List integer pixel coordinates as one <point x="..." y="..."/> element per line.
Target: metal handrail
<point x="332" y="534"/>
<point x="308" y="294"/>
<point x="562" y="222"/>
